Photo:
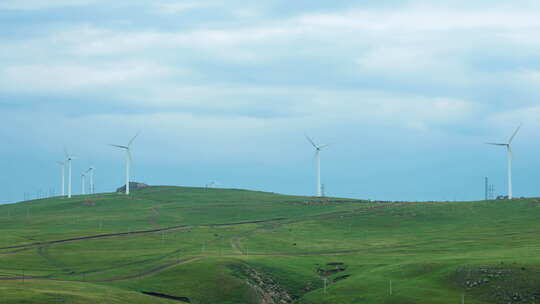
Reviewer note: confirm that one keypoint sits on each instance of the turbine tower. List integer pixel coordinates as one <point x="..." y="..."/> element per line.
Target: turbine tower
<point x="63" y="174"/>
<point x="508" y="146"/>
<point x="83" y="182"/>
<point x="69" y="158"/>
<point x="91" y="172"/>
<point x="318" y="161"/>
<point x="128" y="159"/>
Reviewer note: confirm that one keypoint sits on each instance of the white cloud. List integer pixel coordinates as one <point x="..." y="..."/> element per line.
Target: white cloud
<point x="528" y="77"/>
<point x="411" y="44"/>
<point x="68" y="77"/>
<point x="423" y="18"/>
<point x="528" y="116"/>
<point x="42" y="4"/>
<point x="398" y="59"/>
<point x="180" y="7"/>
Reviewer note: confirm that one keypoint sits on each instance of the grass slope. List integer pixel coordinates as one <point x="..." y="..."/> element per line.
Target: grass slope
<point x="236" y="246"/>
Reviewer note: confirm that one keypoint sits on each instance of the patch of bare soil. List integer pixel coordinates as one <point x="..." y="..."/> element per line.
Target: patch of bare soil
<point x="89" y="203"/>
<point x="269" y="291"/>
<point x="330" y="268"/>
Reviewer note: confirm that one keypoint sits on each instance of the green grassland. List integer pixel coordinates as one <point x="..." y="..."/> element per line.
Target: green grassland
<point x="177" y="244"/>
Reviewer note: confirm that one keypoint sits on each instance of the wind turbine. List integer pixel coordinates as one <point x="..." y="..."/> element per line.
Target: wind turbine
<point x="83" y="182"/>
<point x="508" y="146"/>
<point x="128" y="159"/>
<point x="91" y="172"/>
<point x="63" y="173"/>
<point x="69" y="158"/>
<point x="318" y="160"/>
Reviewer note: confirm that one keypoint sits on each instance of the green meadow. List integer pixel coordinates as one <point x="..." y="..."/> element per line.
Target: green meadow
<point x="207" y="246"/>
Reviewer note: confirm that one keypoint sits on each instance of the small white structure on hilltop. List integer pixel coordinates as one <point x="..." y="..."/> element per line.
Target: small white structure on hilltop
<point x="132" y="186"/>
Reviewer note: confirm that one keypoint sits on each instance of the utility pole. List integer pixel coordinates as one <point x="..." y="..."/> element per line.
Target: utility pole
<point x="322" y="190"/>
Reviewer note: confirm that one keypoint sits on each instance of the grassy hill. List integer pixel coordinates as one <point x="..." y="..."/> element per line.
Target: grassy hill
<point x="173" y="245"/>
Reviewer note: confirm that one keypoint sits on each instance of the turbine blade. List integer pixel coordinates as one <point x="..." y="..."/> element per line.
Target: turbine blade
<point x="131" y="141"/>
<point x="324" y="146"/>
<point x="60" y="163"/>
<point x="119" y="146"/>
<point x="129" y="156"/>
<point x="311" y="141"/>
<point x="496" y="144"/>
<point x="514" y="135"/>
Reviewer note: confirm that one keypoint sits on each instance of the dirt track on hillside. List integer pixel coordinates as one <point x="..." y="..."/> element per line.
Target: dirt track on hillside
<point x="119" y="234"/>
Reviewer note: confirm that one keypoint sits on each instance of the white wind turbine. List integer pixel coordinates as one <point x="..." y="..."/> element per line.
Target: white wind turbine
<point x="69" y="158"/>
<point x="508" y="146"/>
<point x="91" y="173"/>
<point x="63" y="173"/>
<point x="83" y="183"/>
<point x="318" y="160"/>
<point x="128" y="159"/>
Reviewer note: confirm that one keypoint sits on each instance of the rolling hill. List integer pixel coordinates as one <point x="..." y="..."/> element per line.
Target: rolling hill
<point x="197" y="245"/>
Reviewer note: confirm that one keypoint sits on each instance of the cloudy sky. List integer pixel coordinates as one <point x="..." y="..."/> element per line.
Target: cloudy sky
<point x="407" y="92"/>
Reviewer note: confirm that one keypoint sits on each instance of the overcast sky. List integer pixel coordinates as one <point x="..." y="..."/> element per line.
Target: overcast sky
<point x="407" y="92"/>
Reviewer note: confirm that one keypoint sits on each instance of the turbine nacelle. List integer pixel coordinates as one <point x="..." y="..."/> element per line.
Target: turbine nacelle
<point x="317" y="147"/>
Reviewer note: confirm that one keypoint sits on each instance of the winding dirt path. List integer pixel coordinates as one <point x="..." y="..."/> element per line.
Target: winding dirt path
<point x="92" y="237"/>
<point x="119" y="234"/>
<point x="148" y="272"/>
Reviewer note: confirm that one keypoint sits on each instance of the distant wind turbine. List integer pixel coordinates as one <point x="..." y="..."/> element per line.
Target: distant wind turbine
<point x="318" y="160"/>
<point x="128" y="159"/>
<point x="508" y="146"/>
<point x="69" y="158"/>
<point x="83" y="183"/>
<point x="63" y="174"/>
<point x="91" y="173"/>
